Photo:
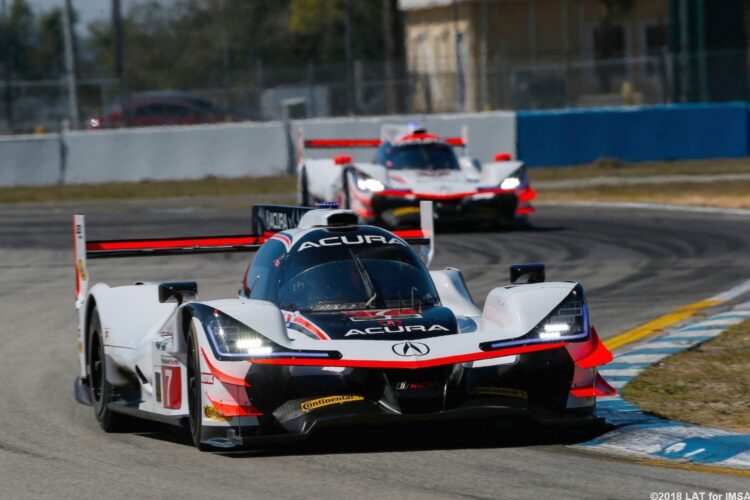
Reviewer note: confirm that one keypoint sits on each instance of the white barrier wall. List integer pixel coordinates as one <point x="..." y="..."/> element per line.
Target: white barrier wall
<point x="30" y="161"/>
<point x="226" y="150"/>
<point x="229" y="150"/>
<point x="489" y="133"/>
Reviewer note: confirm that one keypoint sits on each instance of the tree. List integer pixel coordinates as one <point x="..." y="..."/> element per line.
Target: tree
<point x="48" y="59"/>
<point x="610" y="39"/>
<point x="20" y="36"/>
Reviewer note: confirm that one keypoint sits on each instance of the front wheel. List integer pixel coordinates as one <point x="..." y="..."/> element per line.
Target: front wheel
<point x="195" y="398"/>
<point x="346" y="202"/>
<point x="102" y="391"/>
<point x="304" y="190"/>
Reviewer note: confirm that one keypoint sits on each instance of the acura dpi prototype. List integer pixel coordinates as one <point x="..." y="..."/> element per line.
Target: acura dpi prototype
<point x="335" y="323"/>
<point x="411" y="165"/>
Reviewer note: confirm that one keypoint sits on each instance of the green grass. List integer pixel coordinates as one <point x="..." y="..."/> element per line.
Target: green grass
<point x="707" y="385"/>
<point x="616" y="168"/>
<point x="723" y="194"/>
<point x="210" y="186"/>
<point x="735" y="194"/>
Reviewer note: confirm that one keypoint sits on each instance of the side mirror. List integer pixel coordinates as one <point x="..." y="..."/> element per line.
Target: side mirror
<point x="180" y="291"/>
<point x="526" y="273"/>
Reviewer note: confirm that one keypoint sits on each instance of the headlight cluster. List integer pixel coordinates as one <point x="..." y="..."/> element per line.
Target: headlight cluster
<point x="368" y="184"/>
<point x="515" y="180"/>
<point x="568" y="321"/>
<point x="232" y="338"/>
<point x="510" y="183"/>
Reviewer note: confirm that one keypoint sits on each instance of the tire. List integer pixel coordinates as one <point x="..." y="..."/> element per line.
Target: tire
<point x="195" y="408"/>
<point x="304" y="191"/>
<point x="345" y="195"/>
<point x="101" y="391"/>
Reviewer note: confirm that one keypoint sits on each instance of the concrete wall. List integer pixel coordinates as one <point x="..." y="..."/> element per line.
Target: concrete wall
<point x="29" y="161"/>
<point x="231" y="150"/>
<point x="489" y="133"/>
<point x="238" y="150"/>
<point x="656" y="133"/>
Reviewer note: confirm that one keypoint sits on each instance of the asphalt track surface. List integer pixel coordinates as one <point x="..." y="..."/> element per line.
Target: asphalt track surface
<point x="635" y="266"/>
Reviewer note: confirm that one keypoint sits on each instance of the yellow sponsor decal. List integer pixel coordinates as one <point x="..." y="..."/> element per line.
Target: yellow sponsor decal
<point x="213" y="413"/>
<point x="507" y="392"/>
<point x="314" y="404"/>
<point x="401" y="211"/>
<point x="82" y="270"/>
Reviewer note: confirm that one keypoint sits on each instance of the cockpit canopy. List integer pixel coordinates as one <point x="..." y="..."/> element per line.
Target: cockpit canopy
<point x="340" y="269"/>
<point x="426" y="155"/>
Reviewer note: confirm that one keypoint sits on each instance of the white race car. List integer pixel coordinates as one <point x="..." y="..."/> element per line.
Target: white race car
<point x="411" y="165"/>
<point x="335" y="323"/>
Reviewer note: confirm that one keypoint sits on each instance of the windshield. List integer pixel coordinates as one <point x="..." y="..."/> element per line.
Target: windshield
<point x="432" y="156"/>
<point x="350" y="277"/>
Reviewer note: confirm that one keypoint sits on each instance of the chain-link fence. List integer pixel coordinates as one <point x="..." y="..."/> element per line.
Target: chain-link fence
<point x="268" y="92"/>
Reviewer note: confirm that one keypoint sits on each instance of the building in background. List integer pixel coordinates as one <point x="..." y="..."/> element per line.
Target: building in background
<point x="527" y="54"/>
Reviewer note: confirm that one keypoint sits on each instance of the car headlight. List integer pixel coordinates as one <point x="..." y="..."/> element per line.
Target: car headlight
<point x="515" y="180"/>
<point x="232" y="338"/>
<point x="569" y="320"/>
<point x="510" y="183"/>
<point x="368" y="184"/>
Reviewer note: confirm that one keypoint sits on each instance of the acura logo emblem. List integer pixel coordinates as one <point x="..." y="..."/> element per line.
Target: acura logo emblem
<point x="409" y="349"/>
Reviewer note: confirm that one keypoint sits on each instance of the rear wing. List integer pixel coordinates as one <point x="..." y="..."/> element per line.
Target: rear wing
<point x="267" y="220"/>
<point x="302" y="143"/>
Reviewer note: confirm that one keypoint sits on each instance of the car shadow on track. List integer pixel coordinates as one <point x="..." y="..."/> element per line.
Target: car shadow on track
<point x="406" y="437"/>
<point x="428" y="437"/>
<point x="480" y="229"/>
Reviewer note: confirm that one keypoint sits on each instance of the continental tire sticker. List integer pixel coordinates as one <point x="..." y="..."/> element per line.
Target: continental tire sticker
<point x="214" y="414"/>
<point x="507" y="392"/>
<point x="314" y="404"/>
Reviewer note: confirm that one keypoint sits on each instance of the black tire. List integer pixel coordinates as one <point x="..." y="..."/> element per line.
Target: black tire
<point x="102" y="392"/>
<point x="195" y="420"/>
<point x="304" y="191"/>
<point x="345" y="195"/>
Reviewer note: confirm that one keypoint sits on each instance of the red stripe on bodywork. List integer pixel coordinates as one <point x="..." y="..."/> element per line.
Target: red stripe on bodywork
<point x="418" y="138"/>
<point x="440" y="196"/>
<point x="600" y="387"/>
<point x="599" y="354"/>
<point x="149" y="244"/>
<point x="312" y="327"/>
<point x="526" y="210"/>
<point x="455" y="141"/>
<point x="410" y="233"/>
<point x="415" y="364"/>
<point x="526" y="194"/>
<point x="342" y="143"/>
<point x="224" y="377"/>
<point x="285" y="240"/>
<point x="234" y="410"/>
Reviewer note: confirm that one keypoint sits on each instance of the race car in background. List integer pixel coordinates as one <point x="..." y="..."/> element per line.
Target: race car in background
<point x="335" y="323"/>
<point x="411" y="165"/>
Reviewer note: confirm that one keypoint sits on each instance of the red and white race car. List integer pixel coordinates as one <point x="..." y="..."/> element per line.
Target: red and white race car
<point x="336" y="323"/>
<point x="412" y="165"/>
